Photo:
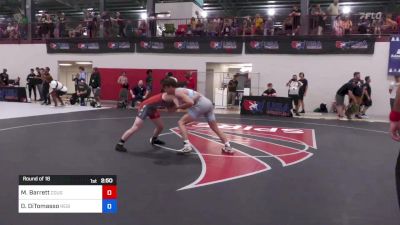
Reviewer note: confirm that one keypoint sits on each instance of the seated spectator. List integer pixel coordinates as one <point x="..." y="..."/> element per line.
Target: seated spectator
<point x="347" y="25"/>
<point x="270" y="92"/>
<point x="138" y="93"/>
<point x="269" y="27"/>
<point x="77" y="32"/>
<point x="83" y="91"/>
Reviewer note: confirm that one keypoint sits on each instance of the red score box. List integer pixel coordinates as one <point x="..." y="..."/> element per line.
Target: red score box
<point x="109" y="191"/>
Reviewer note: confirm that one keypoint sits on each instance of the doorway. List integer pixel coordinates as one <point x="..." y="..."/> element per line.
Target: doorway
<point x="67" y="71"/>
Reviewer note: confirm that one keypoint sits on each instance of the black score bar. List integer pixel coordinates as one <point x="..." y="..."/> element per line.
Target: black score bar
<point x="67" y="180"/>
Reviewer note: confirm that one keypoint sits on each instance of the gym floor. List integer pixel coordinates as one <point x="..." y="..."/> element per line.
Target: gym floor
<point x="286" y="171"/>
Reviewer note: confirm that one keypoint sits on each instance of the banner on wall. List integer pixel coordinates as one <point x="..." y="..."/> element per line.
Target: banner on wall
<point x="190" y="45"/>
<point x="89" y="46"/>
<point x="394" y="56"/>
<point x="310" y="45"/>
<point x="273" y="106"/>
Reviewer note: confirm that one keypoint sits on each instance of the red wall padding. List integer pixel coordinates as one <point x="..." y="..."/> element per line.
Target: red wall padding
<point x="109" y="76"/>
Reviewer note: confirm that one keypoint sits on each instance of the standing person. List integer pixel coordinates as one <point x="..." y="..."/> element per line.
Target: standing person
<point x="121" y="24"/>
<point x="107" y="25"/>
<point x="95" y="83"/>
<point x="197" y="106"/>
<point x="395" y="133"/>
<point x="61" y="25"/>
<point x="366" y="98"/>
<point x="4" y="77"/>
<point x="123" y="93"/>
<point x="82" y="74"/>
<point x="31" y="83"/>
<point x="39" y="83"/>
<point x="303" y="91"/>
<point x="346" y="89"/>
<point x="393" y="90"/>
<point x="333" y="11"/>
<point x="148" y="108"/>
<point x="190" y="82"/>
<point x="57" y="90"/>
<point x="232" y="88"/>
<point x="47" y="78"/>
<point x="149" y="83"/>
<point x="270" y="92"/>
<point x="294" y="90"/>
<point x="295" y="15"/>
<point x="138" y="93"/>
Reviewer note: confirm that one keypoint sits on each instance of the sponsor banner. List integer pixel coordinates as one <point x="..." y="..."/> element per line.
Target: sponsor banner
<point x="394" y="56"/>
<point x="310" y="45"/>
<point x="89" y="46"/>
<point x="190" y="46"/>
<point x="273" y="106"/>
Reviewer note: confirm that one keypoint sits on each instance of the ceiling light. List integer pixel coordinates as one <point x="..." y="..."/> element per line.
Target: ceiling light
<point x="204" y="14"/>
<point x="65" y="64"/>
<point x="84" y="63"/>
<point x="346" y="10"/>
<point x="271" y="12"/>
<point x="143" y="16"/>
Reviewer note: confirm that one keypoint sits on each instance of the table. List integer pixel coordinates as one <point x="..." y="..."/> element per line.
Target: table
<point x="261" y="105"/>
<point x="13" y="94"/>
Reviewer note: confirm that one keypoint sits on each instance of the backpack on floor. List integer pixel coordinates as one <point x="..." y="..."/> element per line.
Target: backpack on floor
<point x="74" y="99"/>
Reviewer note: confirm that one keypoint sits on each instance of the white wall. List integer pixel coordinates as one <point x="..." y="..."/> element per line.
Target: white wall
<point x="326" y="73"/>
<point x="178" y="10"/>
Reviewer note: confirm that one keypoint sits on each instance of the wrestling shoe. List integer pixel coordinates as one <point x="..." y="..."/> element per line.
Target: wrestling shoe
<point x="156" y="141"/>
<point x="228" y="149"/>
<point x="187" y="148"/>
<point x="120" y="148"/>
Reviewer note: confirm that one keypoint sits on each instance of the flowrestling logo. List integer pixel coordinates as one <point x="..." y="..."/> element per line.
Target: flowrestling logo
<point x="269" y="45"/>
<point x="119" y="45"/>
<point x="255" y="107"/>
<point x="89" y="45"/>
<point x="289" y="146"/>
<point x="191" y="45"/>
<point x="308" y="45"/>
<point x="227" y="45"/>
<point x="352" y="44"/>
<point x="61" y="46"/>
<point x="152" y="45"/>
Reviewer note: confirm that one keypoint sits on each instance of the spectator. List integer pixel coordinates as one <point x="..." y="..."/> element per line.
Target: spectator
<point x="294" y="90"/>
<point x="232" y="88"/>
<point x="4" y="77"/>
<point x="303" y="91"/>
<point x="95" y="83"/>
<point x="363" y="26"/>
<point x="259" y="24"/>
<point x="246" y="27"/>
<point x="123" y="93"/>
<point x="50" y="25"/>
<point x="190" y="82"/>
<point x="337" y="26"/>
<point x="77" y="32"/>
<point x="347" y="25"/>
<point x="377" y="25"/>
<point x="61" y="25"/>
<point x="31" y="83"/>
<point x="39" y="76"/>
<point x="17" y="82"/>
<point x="47" y="78"/>
<point x="393" y="90"/>
<point x="318" y="19"/>
<point x="366" y="97"/>
<point x="82" y="74"/>
<point x="288" y="25"/>
<point x="390" y="23"/>
<point x="269" y="27"/>
<point x="295" y="14"/>
<point x="347" y="89"/>
<point x="227" y="28"/>
<point x="333" y="11"/>
<point x="121" y="24"/>
<point x="92" y="24"/>
<point x="138" y="93"/>
<point x="212" y="27"/>
<point x="270" y="92"/>
<point x="107" y="25"/>
<point x="43" y="28"/>
<point x="142" y="30"/>
<point x="149" y="83"/>
<point x="57" y="90"/>
<point x="83" y="91"/>
<point x="170" y="75"/>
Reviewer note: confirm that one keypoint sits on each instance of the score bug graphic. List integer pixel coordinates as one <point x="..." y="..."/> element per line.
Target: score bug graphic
<point x="252" y="144"/>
